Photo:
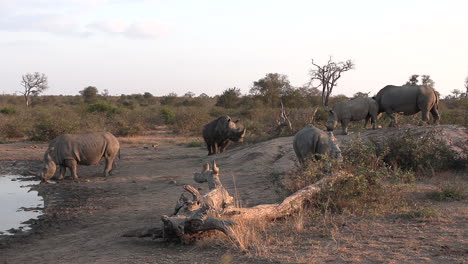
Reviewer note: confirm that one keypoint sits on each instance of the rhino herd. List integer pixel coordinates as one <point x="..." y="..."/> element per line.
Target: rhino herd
<point x="70" y="150"/>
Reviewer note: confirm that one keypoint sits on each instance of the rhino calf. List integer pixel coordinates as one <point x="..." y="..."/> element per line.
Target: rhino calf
<point x="312" y="142"/>
<point x="353" y="110"/>
<point x="70" y="150"/>
<point x="219" y="133"/>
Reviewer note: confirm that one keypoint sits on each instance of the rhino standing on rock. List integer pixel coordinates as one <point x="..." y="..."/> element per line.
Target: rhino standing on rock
<point x="219" y="133"/>
<point x="313" y="142"/>
<point x="353" y="110"/>
<point x="70" y="150"/>
<point x="408" y="100"/>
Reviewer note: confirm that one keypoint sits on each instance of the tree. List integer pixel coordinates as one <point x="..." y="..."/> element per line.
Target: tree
<point x="34" y="84"/>
<point x="270" y="88"/>
<point x="427" y="81"/>
<point x="89" y="94"/>
<point x="203" y="95"/>
<point x="230" y="98"/>
<point x="189" y="94"/>
<point x="147" y="95"/>
<point x="413" y="80"/>
<point x="328" y="75"/>
<point x="456" y="93"/>
<point x="466" y="86"/>
<point x="105" y="93"/>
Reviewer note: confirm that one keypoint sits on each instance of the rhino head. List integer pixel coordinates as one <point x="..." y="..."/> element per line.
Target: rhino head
<point x="235" y="133"/>
<point x="49" y="165"/>
<point x="335" y="151"/>
<point x="332" y="120"/>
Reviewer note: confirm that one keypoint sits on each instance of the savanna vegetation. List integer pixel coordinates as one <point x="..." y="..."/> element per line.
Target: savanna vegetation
<point x="46" y="117"/>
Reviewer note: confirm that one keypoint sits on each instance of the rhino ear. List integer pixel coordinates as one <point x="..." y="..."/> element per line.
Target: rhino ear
<point x="229" y="119"/>
<point x="236" y="121"/>
<point x="331" y="112"/>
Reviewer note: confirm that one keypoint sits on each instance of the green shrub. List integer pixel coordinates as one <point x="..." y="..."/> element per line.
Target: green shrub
<point x="195" y="144"/>
<point x="190" y="120"/>
<point x="12" y="129"/>
<point x="7" y="110"/>
<point x="103" y="107"/>
<point x="167" y="115"/>
<point x="449" y="192"/>
<point x="47" y="126"/>
<point x="421" y="152"/>
<point x="127" y="130"/>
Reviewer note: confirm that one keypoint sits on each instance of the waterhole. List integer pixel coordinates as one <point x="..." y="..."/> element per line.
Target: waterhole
<point x="18" y="204"/>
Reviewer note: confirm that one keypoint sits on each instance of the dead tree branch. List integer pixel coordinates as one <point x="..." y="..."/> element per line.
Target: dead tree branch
<point x="215" y="210"/>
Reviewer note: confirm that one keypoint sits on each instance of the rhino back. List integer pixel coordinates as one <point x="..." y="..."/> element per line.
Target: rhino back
<point x="86" y="149"/>
<point x="399" y="99"/>
<point x="310" y="140"/>
<point x="354" y="110"/>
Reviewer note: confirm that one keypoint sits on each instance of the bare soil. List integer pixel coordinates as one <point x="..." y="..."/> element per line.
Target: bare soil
<point x="83" y="220"/>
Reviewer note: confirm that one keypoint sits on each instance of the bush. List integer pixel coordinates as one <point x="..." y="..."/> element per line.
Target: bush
<point x="167" y="115"/>
<point x="427" y="151"/>
<point x="449" y="192"/>
<point x="190" y="120"/>
<point x="103" y="107"/>
<point x="12" y="129"/>
<point x="48" y="127"/>
<point x="7" y="110"/>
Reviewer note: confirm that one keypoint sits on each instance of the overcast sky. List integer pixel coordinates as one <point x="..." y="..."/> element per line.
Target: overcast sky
<point x="163" y="46"/>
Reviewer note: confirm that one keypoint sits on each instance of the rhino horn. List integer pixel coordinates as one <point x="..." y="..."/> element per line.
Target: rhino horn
<point x="243" y="132"/>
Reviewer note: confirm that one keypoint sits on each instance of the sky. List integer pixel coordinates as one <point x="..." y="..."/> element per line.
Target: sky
<point x="208" y="46"/>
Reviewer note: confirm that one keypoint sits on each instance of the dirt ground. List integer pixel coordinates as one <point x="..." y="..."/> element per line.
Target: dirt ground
<point x="83" y="221"/>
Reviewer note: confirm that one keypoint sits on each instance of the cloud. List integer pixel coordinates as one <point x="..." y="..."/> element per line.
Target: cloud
<point x="146" y="29"/>
<point x="70" y="18"/>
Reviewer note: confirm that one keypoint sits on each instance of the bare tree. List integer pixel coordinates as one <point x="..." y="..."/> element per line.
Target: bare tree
<point x="34" y="84"/>
<point x="466" y="86"/>
<point x="327" y="76"/>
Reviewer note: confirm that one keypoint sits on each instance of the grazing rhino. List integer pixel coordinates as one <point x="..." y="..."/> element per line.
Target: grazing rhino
<point x="353" y="110"/>
<point x="70" y="150"/>
<point x="313" y="142"/>
<point x="408" y="100"/>
<point x="219" y="133"/>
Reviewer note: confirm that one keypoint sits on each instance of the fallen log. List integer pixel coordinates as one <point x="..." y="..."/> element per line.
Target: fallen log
<point x="216" y="211"/>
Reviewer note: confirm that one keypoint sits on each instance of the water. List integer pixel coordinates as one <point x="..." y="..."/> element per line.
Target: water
<point x="18" y="203"/>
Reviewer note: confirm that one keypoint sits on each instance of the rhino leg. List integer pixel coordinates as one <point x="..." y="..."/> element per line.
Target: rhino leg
<point x="72" y="164"/>
<point x="208" y="146"/>
<point x="224" y="145"/>
<point x="367" y="121"/>
<point x="62" y="172"/>
<point x="435" y="115"/>
<point x="374" y="121"/>
<point x="344" y="126"/>
<point x="108" y="166"/>
<point x="393" y="123"/>
<point x="425" y="115"/>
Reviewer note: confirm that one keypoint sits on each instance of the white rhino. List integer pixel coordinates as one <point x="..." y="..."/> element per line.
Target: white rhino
<point x="70" y="150"/>
<point x="408" y="100"/>
<point x="219" y="133"/>
<point x="352" y="110"/>
<point x="312" y="142"/>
